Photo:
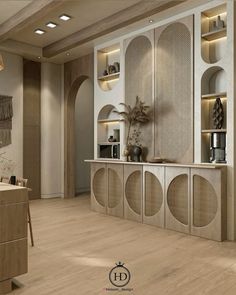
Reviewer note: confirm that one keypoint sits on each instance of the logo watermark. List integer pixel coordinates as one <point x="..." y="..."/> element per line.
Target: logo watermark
<point x="119" y="277"/>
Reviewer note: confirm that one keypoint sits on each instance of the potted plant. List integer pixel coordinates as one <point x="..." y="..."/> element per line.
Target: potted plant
<point x="134" y="117"/>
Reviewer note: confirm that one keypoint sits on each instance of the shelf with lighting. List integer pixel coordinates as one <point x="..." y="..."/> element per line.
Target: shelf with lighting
<point x="215" y="95"/>
<point x="210" y="36"/>
<point x="214" y="33"/>
<point x="107" y="121"/>
<point x="213" y="85"/>
<point x="214" y="131"/>
<point x="108" y="67"/>
<point x="110" y="77"/>
<point x="108" y="127"/>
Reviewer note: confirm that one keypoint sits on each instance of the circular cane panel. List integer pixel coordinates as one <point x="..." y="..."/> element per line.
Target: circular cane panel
<point x="153" y="194"/>
<point x="114" y="188"/>
<point x="99" y="188"/>
<point x="204" y="201"/>
<point x="177" y="198"/>
<point x="133" y="191"/>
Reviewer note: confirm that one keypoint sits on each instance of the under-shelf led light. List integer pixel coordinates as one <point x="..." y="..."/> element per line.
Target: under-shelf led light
<point x="112" y="80"/>
<point x="113" y="51"/>
<point x="39" y="32"/>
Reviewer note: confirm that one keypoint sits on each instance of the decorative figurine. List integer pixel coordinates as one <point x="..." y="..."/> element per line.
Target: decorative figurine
<point x="218" y="114"/>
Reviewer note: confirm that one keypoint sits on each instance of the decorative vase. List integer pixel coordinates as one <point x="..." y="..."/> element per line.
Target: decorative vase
<point x="13" y="180"/>
<point x="218" y="114"/>
<point x="111" y="139"/>
<point x="136" y="153"/>
<point x="127" y="153"/>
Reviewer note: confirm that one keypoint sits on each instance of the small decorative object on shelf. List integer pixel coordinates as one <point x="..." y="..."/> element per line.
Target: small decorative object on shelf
<point x="134" y="116"/>
<point x="218" y="114"/>
<point x="111" y="69"/>
<point x="117" y="66"/>
<point x="217" y="149"/>
<point x="105" y="73"/>
<point x="217" y="24"/>
<point x="111" y="139"/>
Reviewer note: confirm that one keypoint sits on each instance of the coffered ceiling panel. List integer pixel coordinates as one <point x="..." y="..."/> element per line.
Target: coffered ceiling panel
<point x="8" y="8"/>
<point x="83" y="13"/>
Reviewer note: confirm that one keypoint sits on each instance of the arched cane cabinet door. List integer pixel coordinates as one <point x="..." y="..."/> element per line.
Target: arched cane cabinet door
<point x="153" y="198"/>
<point x="177" y="199"/>
<point x="115" y="189"/>
<point x="133" y="192"/>
<point x="208" y="203"/>
<point x="99" y="187"/>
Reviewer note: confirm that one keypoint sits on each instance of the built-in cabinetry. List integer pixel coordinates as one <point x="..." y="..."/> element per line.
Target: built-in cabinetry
<point x="213" y="82"/>
<point x="13" y="234"/>
<point x="186" y="198"/>
<point x="107" y="188"/>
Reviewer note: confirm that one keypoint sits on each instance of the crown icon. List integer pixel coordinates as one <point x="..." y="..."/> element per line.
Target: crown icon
<point x="119" y="264"/>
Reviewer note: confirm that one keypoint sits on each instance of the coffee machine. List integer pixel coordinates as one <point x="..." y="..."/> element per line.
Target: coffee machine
<point x="217" y="147"/>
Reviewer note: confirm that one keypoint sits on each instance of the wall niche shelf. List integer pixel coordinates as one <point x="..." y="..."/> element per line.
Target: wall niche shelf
<point x="108" y="67"/>
<point x="214" y="33"/>
<point x="109" y="77"/>
<point x="213" y="85"/>
<point x="110" y="121"/>
<point x="108" y="125"/>
<point x="214" y="131"/>
<point x="210" y="36"/>
<point x="214" y="95"/>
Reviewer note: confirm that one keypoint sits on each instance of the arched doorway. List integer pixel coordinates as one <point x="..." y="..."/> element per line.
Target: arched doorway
<point x="69" y="137"/>
<point x="84" y="135"/>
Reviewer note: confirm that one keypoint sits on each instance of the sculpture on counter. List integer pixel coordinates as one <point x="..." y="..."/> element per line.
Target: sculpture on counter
<point x="6" y="114"/>
<point x="134" y="117"/>
<point x="218" y="114"/>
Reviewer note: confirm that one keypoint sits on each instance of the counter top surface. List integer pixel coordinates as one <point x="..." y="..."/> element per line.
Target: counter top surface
<point x="9" y="187"/>
<point x="190" y="165"/>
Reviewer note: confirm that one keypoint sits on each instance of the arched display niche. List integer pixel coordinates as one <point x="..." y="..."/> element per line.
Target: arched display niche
<point x="213" y="40"/>
<point x="213" y="85"/>
<point x="108" y="124"/>
<point x="174" y="91"/>
<point x="108" y="67"/>
<point x="139" y="82"/>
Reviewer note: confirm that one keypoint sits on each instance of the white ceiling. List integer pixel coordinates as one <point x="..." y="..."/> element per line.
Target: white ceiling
<point x="83" y="12"/>
<point x="9" y="8"/>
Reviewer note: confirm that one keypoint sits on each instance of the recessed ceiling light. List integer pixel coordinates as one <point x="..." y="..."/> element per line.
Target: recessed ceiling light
<point x="65" y="17"/>
<point x="68" y="53"/>
<point x="51" y="25"/>
<point x="39" y="57"/>
<point x="150" y="21"/>
<point x="39" y="31"/>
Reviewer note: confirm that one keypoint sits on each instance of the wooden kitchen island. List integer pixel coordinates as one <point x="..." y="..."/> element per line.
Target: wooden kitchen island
<point x="13" y="234"/>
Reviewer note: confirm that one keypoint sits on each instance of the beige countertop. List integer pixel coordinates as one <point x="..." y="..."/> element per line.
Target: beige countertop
<point x="9" y="187"/>
<point x="190" y="165"/>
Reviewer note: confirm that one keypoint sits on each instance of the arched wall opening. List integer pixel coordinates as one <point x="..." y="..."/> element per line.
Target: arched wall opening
<point x="84" y="135"/>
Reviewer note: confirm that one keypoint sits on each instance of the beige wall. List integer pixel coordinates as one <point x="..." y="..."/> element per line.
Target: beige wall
<point x="51" y="131"/>
<point x="11" y="83"/>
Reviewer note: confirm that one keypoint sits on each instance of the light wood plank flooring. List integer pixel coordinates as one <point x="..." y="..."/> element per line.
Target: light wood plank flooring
<point x="75" y="249"/>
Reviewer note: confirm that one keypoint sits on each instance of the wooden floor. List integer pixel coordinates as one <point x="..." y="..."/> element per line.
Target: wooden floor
<point x="76" y="248"/>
